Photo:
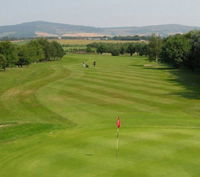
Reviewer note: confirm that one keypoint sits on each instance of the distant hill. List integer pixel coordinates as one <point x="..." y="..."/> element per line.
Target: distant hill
<point x="163" y="30"/>
<point x="41" y="28"/>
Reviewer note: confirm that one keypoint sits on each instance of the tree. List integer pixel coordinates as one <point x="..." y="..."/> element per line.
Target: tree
<point x="122" y="50"/>
<point x="3" y="62"/>
<point x="143" y="49"/>
<point x="56" y="51"/>
<point x="101" y="48"/>
<point x="45" y="44"/>
<point x="131" y="49"/>
<point x="115" y="51"/>
<point x="155" y="48"/>
<point x="194" y="57"/>
<point x="9" y="51"/>
<point x="175" y="50"/>
<point x="34" y="51"/>
<point x="89" y="49"/>
<point x="23" y="56"/>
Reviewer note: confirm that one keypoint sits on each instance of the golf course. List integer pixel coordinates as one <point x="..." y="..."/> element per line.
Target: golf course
<point x="58" y="119"/>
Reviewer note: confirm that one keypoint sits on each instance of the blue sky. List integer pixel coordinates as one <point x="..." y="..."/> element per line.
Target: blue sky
<point x="102" y="13"/>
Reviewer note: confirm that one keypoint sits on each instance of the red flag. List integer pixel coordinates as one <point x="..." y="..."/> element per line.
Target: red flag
<point x="118" y="123"/>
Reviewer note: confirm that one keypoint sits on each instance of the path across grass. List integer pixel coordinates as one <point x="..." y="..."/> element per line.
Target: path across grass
<point x="57" y="119"/>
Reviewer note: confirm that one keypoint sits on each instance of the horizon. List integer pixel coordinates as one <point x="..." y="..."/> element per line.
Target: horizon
<point x="162" y="24"/>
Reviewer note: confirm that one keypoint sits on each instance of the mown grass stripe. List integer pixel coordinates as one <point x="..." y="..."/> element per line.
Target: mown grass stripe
<point x="136" y="80"/>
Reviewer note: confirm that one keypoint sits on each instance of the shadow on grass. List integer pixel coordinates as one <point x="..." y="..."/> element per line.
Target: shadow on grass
<point x="153" y="66"/>
<point x="186" y="78"/>
<point x="164" y="68"/>
<point x="136" y="65"/>
<point x="189" y="80"/>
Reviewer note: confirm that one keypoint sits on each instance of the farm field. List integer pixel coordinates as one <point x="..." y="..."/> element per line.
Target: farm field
<point x="57" y="119"/>
<point x="85" y="42"/>
<point x="77" y="42"/>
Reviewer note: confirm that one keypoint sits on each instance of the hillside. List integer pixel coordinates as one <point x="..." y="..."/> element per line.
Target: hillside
<point x="33" y="29"/>
<point x="41" y="28"/>
<point x="163" y="30"/>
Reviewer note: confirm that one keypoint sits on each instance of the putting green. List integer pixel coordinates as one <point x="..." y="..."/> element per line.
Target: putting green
<point x="57" y="119"/>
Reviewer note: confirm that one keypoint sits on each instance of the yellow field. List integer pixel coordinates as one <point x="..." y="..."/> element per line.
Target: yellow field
<point x="86" y="42"/>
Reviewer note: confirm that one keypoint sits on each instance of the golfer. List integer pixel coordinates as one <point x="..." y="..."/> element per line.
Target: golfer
<point x="94" y="63"/>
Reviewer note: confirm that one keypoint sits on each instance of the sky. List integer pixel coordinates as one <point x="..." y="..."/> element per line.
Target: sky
<point x="101" y="13"/>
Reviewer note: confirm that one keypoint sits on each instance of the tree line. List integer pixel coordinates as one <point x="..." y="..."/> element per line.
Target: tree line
<point x="181" y="50"/>
<point x="116" y="49"/>
<point x="121" y="38"/>
<point x="130" y="38"/>
<point x="37" y="50"/>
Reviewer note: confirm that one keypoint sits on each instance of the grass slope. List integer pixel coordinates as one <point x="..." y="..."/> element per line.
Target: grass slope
<point x="57" y="119"/>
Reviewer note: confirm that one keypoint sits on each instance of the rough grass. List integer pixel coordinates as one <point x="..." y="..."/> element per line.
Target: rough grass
<point x="57" y="119"/>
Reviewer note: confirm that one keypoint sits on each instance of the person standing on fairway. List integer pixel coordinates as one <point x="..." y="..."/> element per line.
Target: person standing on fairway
<point x="94" y="63"/>
<point x="84" y="64"/>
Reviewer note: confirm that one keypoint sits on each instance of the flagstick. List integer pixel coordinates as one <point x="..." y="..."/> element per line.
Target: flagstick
<point x="117" y="142"/>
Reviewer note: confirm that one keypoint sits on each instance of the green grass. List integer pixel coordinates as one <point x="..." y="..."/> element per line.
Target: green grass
<point x="57" y="119"/>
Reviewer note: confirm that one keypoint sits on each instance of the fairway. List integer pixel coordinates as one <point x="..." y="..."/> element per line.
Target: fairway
<point x="57" y="119"/>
